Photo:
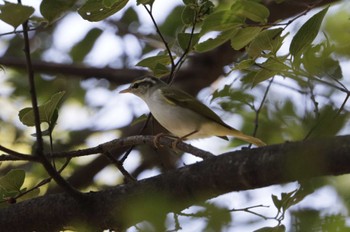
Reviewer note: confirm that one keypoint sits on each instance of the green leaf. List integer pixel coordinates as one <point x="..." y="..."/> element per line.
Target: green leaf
<point x="221" y="21"/>
<point x="130" y="17"/>
<point x="82" y="48"/>
<point x="109" y="3"/>
<point x="95" y="10"/>
<point x="145" y="2"/>
<point x="244" y="64"/>
<point x="13" y="180"/>
<point x="270" y="68"/>
<point x="228" y="94"/>
<point x="244" y="36"/>
<point x="184" y="40"/>
<point x="47" y="111"/>
<point x="263" y="75"/>
<point x="160" y="70"/>
<point x="215" y="42"/>
<point x="188" y="15"/>
<point x="276" y="201"/>
<point x="173" y="23"/>
<point x="317" y="61"/>
<point x="251" y="10"/>
<point x="307" y="33"/>
<point x="55" y="9"/>
<point x="151" y="62"/>
<point x="15" y="14"/>
<point x="334" y="29"/>
<point x="268" y="40"/>
<point x="189" y="2"/>
<point x="280" y="228"/>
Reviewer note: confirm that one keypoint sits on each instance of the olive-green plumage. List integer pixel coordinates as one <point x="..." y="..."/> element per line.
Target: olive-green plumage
<point x="182" y="114"/>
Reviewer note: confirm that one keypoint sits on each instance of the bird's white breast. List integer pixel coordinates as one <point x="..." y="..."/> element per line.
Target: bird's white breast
<point x="178" y="120"/>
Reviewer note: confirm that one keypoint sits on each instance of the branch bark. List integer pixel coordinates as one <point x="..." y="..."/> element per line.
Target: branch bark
<point x="233" y="171"/>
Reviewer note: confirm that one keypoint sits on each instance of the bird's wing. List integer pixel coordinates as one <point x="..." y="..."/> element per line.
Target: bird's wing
<point x="183" y="99"/>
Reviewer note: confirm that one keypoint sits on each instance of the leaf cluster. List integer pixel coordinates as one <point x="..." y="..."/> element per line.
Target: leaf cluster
<point x="309" y="67"/>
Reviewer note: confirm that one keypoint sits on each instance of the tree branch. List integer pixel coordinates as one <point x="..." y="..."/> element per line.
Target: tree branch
<point x="233" y="171"/>
<point x="119" y="76"/>
<point x="131" y="141"/>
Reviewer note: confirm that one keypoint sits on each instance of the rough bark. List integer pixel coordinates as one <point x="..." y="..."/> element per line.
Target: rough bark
<point x="232" y="171"/>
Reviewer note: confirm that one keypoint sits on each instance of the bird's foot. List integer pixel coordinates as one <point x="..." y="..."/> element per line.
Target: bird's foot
<point x="156" y="143"/>
<point x="174" y="143"/>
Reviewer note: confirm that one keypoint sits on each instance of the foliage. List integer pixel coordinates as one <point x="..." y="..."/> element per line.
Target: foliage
<point x="287" y="84"/>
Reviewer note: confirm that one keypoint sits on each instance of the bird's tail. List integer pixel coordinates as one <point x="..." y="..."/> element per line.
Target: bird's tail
<point x="249" y="139"/>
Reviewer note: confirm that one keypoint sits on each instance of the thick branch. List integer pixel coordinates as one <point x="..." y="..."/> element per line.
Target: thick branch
<point x="119" y="76"/>
<point x="234" y="171"/>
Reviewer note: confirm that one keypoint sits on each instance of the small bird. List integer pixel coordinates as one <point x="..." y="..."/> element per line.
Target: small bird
<point x="182" y="114"/>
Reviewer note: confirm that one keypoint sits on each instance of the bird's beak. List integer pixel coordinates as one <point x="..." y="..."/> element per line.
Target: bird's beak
<point x="125" y="90"/>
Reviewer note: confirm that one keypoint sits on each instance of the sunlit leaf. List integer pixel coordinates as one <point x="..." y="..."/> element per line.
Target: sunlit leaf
<point x="307" y="33"/>
<point x="95" y="10"/>
<point x="109" y="3"/>
<point x="150" y="62"/>
<point x="244" y="36"/>
<point x="215" y="42"/>
<point x="15" y="14"/>
<point x="244" y="64"/>
<point x="318" y="61"/>
<point x="268" y="69"/>
<point x="13" y="180"/>
<point x="268" y="40"/>
<point x="46" y="111"/>
<point x="251" y="10"/>
<point x="334" y="28"/>
<point x="263" y="75"/>
<point x="221" y="21"/>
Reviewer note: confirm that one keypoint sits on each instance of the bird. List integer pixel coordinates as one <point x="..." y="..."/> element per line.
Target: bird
<point x="182" y="114"/>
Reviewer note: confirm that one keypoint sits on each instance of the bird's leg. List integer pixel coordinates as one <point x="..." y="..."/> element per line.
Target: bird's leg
<point x="174" y="143"/>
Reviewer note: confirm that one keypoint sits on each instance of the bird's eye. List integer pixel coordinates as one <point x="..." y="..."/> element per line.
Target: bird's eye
<point x="135" y="85"/>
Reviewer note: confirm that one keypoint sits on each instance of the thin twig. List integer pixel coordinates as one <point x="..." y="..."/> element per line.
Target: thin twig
<point x="257" y="112"/>
<point x="249" y="210"/>
<point x="182" y="58"/>
<point x="14" y="155"/>
<point x="18" y="32"/>
<point x="149" y="11"/>
<point x="313" y="99"/>
<point x="39" y="150"/>
<point x="342" y="105"/>
<point x="127" y="153"/>
<point x="39" y="139"/>
<point x="120" y="166"/>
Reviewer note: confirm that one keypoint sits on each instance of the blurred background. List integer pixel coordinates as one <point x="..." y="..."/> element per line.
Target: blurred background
<point x="93" y="61"/>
